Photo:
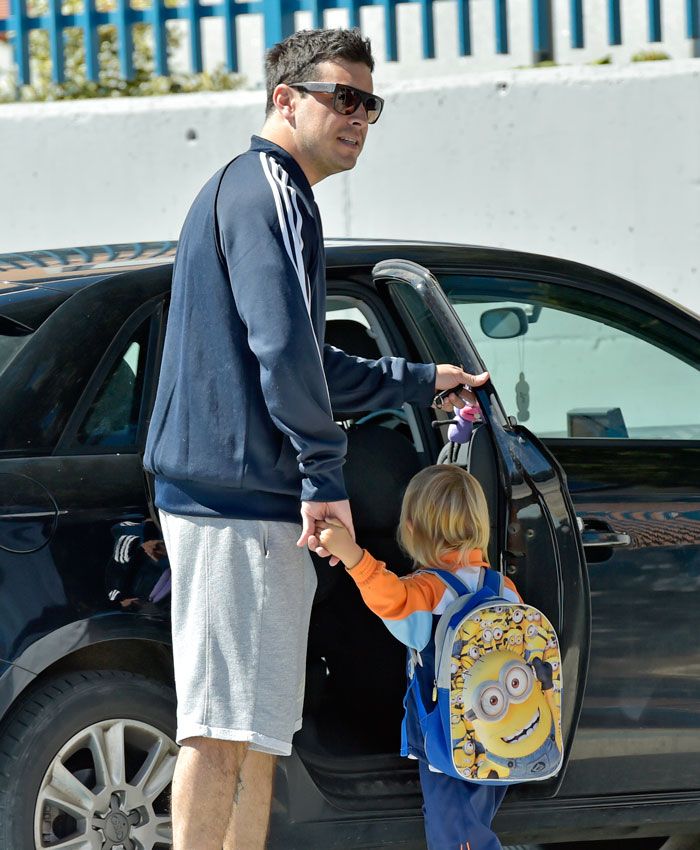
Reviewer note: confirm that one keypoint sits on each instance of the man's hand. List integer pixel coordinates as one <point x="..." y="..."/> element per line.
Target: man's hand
<point x="316" y="512"/>
<point x="447" y="376"/>
<point x="155" y="549"/>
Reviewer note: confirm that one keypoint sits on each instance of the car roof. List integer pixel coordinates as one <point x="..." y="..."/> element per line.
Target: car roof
<point x="56" y="266"/>
<point x="70" y="269"/>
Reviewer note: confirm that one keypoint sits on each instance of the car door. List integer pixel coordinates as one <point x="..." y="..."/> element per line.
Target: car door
<point x="537" y="540"/>
<point x="608" y="376"/>
<point x="79" y="393"/>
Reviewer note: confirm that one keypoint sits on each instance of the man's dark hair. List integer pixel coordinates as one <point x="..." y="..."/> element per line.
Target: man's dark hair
<point x="295" y="59"/>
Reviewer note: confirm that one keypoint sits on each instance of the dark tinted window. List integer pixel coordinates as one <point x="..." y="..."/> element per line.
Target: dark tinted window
<point x="9" y="346"/>
<point x="113" y="417"/>
<point x="13" y="335"/>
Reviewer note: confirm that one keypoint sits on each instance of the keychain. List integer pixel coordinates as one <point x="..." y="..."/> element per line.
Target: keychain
<point x="522" y="398"/>
<point x="522" y="388"/>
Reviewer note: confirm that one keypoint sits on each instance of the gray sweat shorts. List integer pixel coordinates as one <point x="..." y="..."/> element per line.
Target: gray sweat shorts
<point x="241" y="600"/>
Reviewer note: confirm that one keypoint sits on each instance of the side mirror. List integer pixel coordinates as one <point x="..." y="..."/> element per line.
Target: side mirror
<point x="504" y="322"/>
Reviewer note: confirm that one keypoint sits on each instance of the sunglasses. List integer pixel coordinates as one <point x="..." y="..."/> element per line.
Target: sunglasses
<point x="347" y="100"/>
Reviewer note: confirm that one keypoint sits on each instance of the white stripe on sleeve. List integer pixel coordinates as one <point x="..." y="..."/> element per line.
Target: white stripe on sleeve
<point x="281" y="192"/>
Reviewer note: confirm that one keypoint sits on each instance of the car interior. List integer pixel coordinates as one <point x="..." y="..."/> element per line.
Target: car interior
<point x="355" y="667"/>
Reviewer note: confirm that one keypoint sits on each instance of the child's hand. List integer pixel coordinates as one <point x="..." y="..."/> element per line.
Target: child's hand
<point x="335" y="538"/>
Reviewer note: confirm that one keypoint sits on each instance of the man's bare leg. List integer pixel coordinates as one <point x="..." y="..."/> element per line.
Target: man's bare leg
<point x="250" y="815"/>
<point x="204" y="786"/>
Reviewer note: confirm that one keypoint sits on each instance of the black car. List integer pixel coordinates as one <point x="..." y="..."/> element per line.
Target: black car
<point x="595" y="512"/>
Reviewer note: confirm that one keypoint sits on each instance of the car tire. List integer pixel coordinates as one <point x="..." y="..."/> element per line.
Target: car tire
<point x="91" y="754"/>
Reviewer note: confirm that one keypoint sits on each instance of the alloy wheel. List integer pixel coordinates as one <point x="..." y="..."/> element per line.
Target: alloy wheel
<point x="108" y="788"/>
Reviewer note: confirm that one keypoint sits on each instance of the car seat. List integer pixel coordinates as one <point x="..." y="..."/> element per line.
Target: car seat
<point x="380" y="461"/>
<point x="478" y="457"/>
<point x="364" y="665"/>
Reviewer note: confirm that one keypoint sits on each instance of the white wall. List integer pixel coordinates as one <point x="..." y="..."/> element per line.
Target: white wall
<point x="599" y="164"/>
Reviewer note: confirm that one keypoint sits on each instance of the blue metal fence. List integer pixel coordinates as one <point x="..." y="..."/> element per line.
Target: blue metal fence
<point x="278" y="16"/>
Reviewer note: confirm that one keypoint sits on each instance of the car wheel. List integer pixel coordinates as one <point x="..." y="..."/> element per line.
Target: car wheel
<point x="86" y="763"/>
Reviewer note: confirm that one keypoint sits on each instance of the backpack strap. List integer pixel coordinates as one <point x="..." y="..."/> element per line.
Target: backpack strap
<point x="413" y="691"/>
<point x="451" y="580"/>
<point x="491" y="579"/>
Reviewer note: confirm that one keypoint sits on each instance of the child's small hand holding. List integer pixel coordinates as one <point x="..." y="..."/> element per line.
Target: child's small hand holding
<point x="336" y="539"/>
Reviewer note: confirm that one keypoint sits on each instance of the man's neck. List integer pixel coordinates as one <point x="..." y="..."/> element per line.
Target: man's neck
<point x="285" y="140"/>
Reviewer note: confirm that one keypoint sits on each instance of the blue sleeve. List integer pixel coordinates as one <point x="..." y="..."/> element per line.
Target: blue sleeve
<point x="414" y="631"/>
<point x="357" y="384"/>
<point x="269" y="283"/>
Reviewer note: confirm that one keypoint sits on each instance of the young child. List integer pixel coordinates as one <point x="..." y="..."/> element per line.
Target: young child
<point x="444" y="524"/>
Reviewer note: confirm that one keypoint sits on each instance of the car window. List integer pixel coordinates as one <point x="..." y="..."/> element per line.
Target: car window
<point x="340" y="309"/>
<point x="113" y="417"/>
<point x="574" y="364"/>
<point x="9" y="346"/>
<point x="353" y="326"/>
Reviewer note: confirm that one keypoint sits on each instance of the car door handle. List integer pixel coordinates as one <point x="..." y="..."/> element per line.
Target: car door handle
<point x="598" y="534"/>
<point x="593" y="538"/>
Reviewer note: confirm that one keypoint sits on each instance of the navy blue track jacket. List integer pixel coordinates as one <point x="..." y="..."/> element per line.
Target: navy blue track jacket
<point x="242" y="425"/>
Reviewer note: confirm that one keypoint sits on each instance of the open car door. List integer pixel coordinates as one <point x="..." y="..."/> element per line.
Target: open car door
<point x="535" y="538"/>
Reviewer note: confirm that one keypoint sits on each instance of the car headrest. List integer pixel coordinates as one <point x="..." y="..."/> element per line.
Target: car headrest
<point x="352" y="338"/>
<point x="380" y="463"/>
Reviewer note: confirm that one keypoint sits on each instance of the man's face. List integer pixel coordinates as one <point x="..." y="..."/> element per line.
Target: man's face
<point x="328" y="142"/>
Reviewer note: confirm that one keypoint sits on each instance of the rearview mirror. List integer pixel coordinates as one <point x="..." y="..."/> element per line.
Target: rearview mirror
<point x="504" y="322"/>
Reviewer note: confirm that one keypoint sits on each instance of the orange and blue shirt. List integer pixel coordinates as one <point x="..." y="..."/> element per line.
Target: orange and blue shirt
<point x="408" y="604"/>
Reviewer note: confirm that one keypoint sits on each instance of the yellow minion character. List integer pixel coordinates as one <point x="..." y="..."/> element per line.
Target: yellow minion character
<point x="535" y="642"/>
<point x="516" y="616"/>
<point x="511" y="717"/>
<point x="456" y="675"/>
<point x="464" y="757"/>
<point x="514" y="642"/>
<point x="499" y="636"/>
<point x="472" y="650"/>
<point x="496" y="616"/>
<point x="469" y="630"/>
<point x="556" y="696"/>
<point x="551" y="657"/>
<point x="458" y="728"/>
<point x="551" y="652"/>
<point x="457" y="703"/>
<point x="487" y="640"/>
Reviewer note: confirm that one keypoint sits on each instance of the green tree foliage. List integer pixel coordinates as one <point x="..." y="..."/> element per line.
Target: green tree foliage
<point x="650" y="56"/>
<point x="110" y="83"/>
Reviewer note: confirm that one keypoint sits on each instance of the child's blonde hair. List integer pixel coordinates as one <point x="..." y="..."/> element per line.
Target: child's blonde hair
<point x="444" y="511"/>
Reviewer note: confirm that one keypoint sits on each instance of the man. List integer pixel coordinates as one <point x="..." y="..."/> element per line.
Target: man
<point x="242" y="430"/>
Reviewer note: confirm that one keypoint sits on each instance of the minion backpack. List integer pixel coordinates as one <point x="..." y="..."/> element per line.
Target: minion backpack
<point x="492" y="712"/>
